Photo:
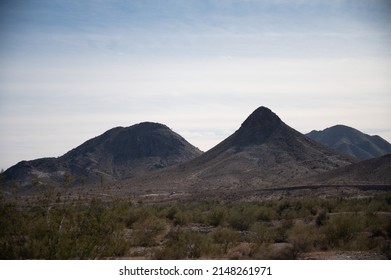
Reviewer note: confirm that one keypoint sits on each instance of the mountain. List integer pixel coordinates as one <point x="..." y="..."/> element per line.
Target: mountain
<point x="351" y="141"/>
<point x="117" y="154"/>
<point x="264" y="151"/>
<point x="370" y="171"/>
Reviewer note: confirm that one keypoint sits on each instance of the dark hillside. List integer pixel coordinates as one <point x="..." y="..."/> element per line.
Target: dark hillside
<point x="117" y="154"/>
<point x="352" y="141"/>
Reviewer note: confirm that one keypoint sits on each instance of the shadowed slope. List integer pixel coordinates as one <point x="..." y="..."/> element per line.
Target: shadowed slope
<point x="371" y="171"/>
<point x="351" y="141"/>
<point x="117" y="154"/>
<point x="264" y="151"/>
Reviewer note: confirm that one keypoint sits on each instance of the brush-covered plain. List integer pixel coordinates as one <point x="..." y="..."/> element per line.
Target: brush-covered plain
<point x="58" y="226"/>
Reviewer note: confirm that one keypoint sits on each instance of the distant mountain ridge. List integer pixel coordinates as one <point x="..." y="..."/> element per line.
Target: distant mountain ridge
<point x="351" y="141"/>
<point x="117" y="154"/>
<point x="370" y="171"/>
<point x="263" y="152"/>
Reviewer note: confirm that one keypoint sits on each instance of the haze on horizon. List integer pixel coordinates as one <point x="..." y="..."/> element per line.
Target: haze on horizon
<point x="70" y="70"/>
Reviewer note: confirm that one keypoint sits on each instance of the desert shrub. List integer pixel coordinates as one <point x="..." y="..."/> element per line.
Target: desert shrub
<point x="120" y="210"/>
<point x="342" y="228"/>
<point x="289" y="209"/>
<point x="183" y="244"/>
<point x="373" y="233"/>
<point x="303" y="238"/>
<point x="88" y="233"/>
<point x="146" y="231"/>
<point x="132" y="216"/>
<point x="260" y="251"/>
<point x="225" y="237"/>
<point x="13" y="232"/>
<point x="140" y="213"/>
<point x="310" y="205"/>
<point x="242" y="250"/>
<point x="217" y="216"/>
<point x="283" y="205"/>
<point x="57" y="227"/>
<point x="356" y="204"/>
<point x="237" y="221"/>
<point x="281" y="231"/>
<point x="178" y="216"/>
<point x="242" y="217"/>
<point x="182" y="218"/>
<point x="281" y="251"/>
<point x="260" y="233"/>
<point x="171" y="212"/>
<point x="62" y="232"/>
<point x="297" y="208"/>
<point x="284" y="242"/>
<point x="265" y="213"/>
<point x="321" y="219"/>
<point x="199" y="216"/>
<point x="384" y="202"/>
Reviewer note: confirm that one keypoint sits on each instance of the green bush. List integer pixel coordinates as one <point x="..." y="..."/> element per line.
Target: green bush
<point x="260" y="233"/>
<point x="266" y="214"/>
<point x="217" y="216"/>
<point x="241" y="218"/>
<point x="62" y="232"/>
<point x="184" y="245"/>
<point x="282" y="231"/>
<point x="225" y="237"/>
<point x="171" y="212"/>
<point x="321" y="219"/>
<point x="145" y="232"/>
<point x="13" y="232"/>
<point x="303" y="238"/>
<point x="342" y="228"/>
<point x="58" y="226"/>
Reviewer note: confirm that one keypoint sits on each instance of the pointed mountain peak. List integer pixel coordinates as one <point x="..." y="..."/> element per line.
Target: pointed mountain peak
<point x="261" y="118"/>
<point x="257" y="127"/>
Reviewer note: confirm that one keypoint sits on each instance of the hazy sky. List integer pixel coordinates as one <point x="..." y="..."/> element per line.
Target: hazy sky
<point x="70" y="69"/>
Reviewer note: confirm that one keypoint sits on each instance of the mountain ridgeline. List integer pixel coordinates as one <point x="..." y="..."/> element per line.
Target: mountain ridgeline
<point x="351" y="141"/>
<point x="366" y="172"/>
<point x="117" y="154"/>
<point x="263" y="153"/>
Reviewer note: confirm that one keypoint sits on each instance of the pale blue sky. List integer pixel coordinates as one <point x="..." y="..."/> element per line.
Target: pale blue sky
<point x="70" y="70"/>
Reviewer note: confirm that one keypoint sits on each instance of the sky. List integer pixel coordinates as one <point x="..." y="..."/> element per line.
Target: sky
<point x="70" y="69"/>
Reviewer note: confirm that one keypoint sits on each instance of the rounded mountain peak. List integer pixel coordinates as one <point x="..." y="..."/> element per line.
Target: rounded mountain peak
<point x="258" y="127"/>
<point x="150" y="125"/>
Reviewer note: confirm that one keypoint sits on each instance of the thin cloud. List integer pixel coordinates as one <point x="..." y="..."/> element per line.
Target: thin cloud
<point x="78" y="68"/>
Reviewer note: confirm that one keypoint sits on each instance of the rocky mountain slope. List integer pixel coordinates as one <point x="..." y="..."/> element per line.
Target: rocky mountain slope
<point x="371" y="171"/>
<point x="119" y="153"/>
<point x="264" y="152"/>
<point x="352" y="141"/>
